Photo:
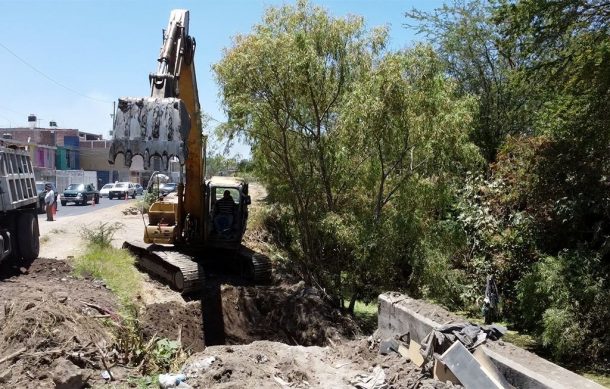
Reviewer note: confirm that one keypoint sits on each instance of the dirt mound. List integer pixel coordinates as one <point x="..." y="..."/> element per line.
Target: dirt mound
<point x="47" y="314"/>
<point x="265" y="364"/>
<point x="229" y="314"/>
<point x="173" y="320"/>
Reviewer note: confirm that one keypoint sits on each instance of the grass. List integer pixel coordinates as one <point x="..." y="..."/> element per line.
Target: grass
<point x="365" y="315"/>
<point x="114" y="266"/>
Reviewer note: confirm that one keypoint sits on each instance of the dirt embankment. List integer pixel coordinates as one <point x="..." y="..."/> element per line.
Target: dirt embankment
<point x="47" y="315"/>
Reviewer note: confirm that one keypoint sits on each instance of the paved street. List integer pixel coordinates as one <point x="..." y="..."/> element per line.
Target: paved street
<point x="75" y="210"/>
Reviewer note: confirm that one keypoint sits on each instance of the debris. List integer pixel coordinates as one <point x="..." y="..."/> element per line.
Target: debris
<point x="470" y="335"/>
<point x="5" y="376"/>
<point x="388" y="345"/>
<point x="373" y="381"/>
<point x="467" y="369"/>
<point x="261" y="358"/>
<point x="106" y="375"/>
<point x="442" y="373"/>
<point x="13" y="355"/>
<point x="281" y="382"/>
<point x="67" y="375"/>
<point x="490" y="368"/>
<point x="415" y="353"/>
<point x="199" y="366"/>
<point x="171" y="380"/>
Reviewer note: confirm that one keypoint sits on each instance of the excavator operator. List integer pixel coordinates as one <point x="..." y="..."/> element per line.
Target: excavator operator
<point x="224" y="213"/>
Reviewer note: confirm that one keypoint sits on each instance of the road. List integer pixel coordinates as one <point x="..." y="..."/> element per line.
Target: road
<point x="76" y="210"/>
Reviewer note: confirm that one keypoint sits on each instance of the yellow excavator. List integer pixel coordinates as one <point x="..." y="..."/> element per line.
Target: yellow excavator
<point x="206" y="219"/>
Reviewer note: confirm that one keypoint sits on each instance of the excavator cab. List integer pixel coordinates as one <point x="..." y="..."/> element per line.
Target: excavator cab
<point x="227" y="201"/>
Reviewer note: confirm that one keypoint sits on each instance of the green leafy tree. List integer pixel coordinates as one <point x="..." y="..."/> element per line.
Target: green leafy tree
<point x="359" y="143"/>
<point x="474" y="53"/>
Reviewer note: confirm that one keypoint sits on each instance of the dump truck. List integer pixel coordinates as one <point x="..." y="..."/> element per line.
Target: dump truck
<point x="19" y="233"/>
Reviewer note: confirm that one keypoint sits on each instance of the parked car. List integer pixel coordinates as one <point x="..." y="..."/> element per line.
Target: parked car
<point x="105" y="190"/>
<point x="167" y="188"/>
<point x="122" y="190"/>
<point x="139" y="189"/>
<point x="80" y="194"/>
<point x="41" y="194"/>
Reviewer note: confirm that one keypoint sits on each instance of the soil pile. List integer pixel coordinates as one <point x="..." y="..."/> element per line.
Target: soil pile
<point x="46" y="316"/>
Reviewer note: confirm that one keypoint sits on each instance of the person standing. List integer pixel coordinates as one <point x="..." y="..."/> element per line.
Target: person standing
<point x="49" y="199"/>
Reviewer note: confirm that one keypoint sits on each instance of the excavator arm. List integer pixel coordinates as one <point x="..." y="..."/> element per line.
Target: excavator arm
<point x="168" y="123"/>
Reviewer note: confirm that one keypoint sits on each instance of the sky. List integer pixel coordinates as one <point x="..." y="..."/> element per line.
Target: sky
<point x="68" y="61"/>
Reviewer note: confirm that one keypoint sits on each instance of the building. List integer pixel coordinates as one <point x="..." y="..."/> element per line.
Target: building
<point x="53" y="148"/>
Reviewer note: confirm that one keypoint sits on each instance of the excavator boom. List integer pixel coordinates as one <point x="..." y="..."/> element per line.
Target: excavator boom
<point x="168" y="124"/>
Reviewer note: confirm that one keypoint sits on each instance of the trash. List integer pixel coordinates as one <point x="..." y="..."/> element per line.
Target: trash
<point x="260" y="358"/>
<point x="106" y="375"/>
<point x="171" y="380"/>
<point x="470" y="335"/>
<point x="199" y="366"/>
<point x="373" y="381"/>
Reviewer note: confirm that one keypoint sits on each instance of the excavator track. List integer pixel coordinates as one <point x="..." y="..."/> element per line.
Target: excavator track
<point x="180" y="271"/>
<point x="185" y="274"/>
<point x="259" y="266"/>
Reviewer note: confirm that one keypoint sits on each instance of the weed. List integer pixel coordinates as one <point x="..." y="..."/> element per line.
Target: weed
<point x="101" y="235"/>
<point x="44" y="239"/>
<point x="57" y="231"/>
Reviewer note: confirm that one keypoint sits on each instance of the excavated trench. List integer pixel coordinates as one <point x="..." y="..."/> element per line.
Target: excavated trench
<point x="228" y="311"/>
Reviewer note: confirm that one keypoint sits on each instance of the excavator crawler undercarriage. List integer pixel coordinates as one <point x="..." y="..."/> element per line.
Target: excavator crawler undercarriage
<point x="184" y="271"/>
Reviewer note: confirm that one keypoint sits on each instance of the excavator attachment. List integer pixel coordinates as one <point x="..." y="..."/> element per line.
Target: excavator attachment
<point x="150" y="127"/>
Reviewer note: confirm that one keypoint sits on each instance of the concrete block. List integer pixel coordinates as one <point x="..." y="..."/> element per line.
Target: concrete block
<point x="463" y="365"/>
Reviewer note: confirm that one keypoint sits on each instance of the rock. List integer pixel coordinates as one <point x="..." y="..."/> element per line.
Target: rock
<point x="5" y="377"/>
<point x="387" y="346"/>
<point x="67" y="375"/>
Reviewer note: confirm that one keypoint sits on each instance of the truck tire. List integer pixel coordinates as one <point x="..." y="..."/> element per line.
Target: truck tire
<point x="84" y="201"/>
<point x="63" y="203"/>
<point x="97" y="200"/>
<point x="27" y="236"/>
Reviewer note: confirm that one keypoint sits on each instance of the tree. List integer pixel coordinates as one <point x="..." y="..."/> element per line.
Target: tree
<point x="282" y="86"/>
<point x="472" y="48"/>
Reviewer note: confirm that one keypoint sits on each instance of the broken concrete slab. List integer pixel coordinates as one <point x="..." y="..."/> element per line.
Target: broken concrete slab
<point x="490" y="367"/>
<point x="415" y="353"/>
<point x="441" y="372"/>
<point x="467" y="369"/>
<point x="400" y="314"/>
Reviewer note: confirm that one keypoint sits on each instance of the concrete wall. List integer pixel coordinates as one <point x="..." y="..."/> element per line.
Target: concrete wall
<point x="399" y="314"/>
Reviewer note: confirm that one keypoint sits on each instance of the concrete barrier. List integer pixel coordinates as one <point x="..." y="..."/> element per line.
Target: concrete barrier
<point x="399" y="314"/>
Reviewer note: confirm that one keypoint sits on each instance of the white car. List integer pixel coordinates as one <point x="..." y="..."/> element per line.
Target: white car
<point x="105" y="190"/>
<point x="122" y="190"/>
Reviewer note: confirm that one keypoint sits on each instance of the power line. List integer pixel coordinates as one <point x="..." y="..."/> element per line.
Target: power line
<point x="50" y="78"/>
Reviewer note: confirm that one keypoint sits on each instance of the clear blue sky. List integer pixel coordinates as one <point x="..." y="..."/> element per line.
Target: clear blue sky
<point x="101" y="50"/>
